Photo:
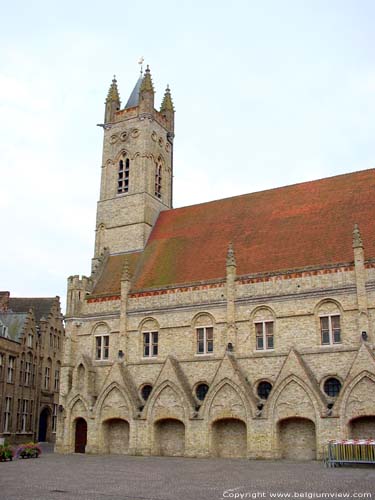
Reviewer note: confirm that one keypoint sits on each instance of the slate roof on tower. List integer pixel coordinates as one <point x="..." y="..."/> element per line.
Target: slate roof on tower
<point x="300" y="226"/>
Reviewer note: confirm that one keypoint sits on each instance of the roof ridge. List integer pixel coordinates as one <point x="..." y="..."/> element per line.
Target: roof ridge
<point x="271" y="189"/>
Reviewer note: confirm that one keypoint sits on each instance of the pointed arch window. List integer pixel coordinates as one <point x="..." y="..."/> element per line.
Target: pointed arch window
<point x="158" y="181"/>
<point x="123" y="176"/>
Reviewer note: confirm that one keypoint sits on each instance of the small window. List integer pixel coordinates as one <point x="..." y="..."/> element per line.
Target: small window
<point x="201" y="391"/>
<point x="150" y="344"/>
<point x="330" y="329"/>
<point x="332" y="387"/>
<point x="54" y="418"/>
<point x="11" y="365"/>
<point x="123" y="176"/>
<point x="102" y="347"/>
<point x="264" y="389"/>
<point x="47" y="376"/>
<point x="30" y="340"/>
<point x="264" y="335"/>
<point x="146" y="391"/>
<point x="158" y="181"/>
<point x="205" y="340"/>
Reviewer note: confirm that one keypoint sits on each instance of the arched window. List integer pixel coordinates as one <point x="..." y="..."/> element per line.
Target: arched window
<point x="204" y="331"/>
<point x="150" y="338"/>
<point x="264" y="325"/>
<point x="330" y="323"/>
<point x="158" y="181"/>
<point x="123" y="176"/>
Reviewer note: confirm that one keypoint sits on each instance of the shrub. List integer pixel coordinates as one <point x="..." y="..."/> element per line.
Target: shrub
<point x="28" y="450"/>
<point x="6" y="452"/>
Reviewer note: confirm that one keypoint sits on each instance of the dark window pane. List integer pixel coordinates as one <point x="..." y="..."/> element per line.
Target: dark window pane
<point x="325" y="337"/>
<point x="146" y="391"/>
<point x="264" y="389"/>
<point x="210" y="346"/>
<point x="269" y="342"/>
<point x="201" y="391"/>
<point x="259" y="342"/>
<point x="332" y="387"/>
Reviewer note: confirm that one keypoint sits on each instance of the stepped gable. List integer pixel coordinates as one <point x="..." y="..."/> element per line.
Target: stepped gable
<point x="293" y="227"/>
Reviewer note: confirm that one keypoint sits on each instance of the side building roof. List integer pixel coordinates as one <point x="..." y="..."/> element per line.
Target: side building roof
<point x="41" y="305"/>
<point x="293" y="227"/>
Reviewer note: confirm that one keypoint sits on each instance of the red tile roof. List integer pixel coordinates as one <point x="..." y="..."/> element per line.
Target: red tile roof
<point x="109" y="282"/>
<point x="292" y="227"/>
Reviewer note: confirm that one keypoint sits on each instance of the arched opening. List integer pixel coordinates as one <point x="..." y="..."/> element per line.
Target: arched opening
<point x="362" y="427"/>
<point x="297" y="439"/>
<point x="170" y="437"/>
<point x="116" y="436"/>
<point x="80" y="435"/>
<point x="229" y="438"/>
<point x="44" y="425"/>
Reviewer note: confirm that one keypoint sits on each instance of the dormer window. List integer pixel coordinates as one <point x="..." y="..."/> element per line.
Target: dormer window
<point x="123" y="176"/>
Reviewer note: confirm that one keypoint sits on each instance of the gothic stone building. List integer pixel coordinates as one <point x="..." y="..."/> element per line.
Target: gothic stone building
<point x="242" y="327"/>
<point x="31" y="344"/>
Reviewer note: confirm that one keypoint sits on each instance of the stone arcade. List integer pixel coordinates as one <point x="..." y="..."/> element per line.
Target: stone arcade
<point x="242" y="327"/>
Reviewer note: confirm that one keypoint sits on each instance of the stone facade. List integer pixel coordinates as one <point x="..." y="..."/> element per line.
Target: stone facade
<point x="31" y="345"/>
<point x="264" y="364"/>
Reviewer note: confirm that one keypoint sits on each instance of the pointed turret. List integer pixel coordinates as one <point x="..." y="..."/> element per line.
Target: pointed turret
<point x="112" y="103"/>
<point x="357" y="238"/>
<point x="167" y="108"/>
<point x="231" y="259"/>
<point x="146" y="93"/>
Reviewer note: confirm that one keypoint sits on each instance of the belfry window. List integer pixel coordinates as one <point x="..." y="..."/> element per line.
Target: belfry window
<point x="123" y="176"/>
<point x="158" y="181"/>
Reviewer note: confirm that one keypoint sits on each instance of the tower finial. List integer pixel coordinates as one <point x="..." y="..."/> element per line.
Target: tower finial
<point x="357" y="238"/>
<point x="147" y="85"/>
<point x="167" y="103"/>
<point x="113" y="94"/>
<point x="141" y="61"/>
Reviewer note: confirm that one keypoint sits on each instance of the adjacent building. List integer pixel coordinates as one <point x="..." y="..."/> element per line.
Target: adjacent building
<point x="31" y="344"/>
<point x="241" y="327"/>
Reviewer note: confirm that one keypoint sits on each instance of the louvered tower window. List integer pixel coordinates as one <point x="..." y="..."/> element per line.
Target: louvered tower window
<point x="123" y="176"/>
<point x="158" y="181"/>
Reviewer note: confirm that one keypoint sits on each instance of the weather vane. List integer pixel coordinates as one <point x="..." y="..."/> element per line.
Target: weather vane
<point x="141" y="61"/>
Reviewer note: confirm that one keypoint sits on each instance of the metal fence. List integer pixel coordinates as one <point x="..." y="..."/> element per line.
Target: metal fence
<point x="349" y="451"/>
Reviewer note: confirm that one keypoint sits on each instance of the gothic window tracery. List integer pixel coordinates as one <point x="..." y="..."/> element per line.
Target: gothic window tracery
<point x="123" y="176"/>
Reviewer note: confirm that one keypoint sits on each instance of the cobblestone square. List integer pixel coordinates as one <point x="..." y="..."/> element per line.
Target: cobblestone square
<point x="115" y="477"/>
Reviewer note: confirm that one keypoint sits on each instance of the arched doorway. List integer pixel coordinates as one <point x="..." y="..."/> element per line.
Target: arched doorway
<point x="229" y="438"/>
<point x="44" y="422"/>
<point x="80" y="435"/>
<point x="362" y="427"/>
<point x="116" y="436"/>
<point x="170" y="437"/>
<point x="297" y="439"/>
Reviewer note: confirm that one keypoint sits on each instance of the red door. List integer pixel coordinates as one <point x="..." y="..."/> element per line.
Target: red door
<point x="81" y="435"/>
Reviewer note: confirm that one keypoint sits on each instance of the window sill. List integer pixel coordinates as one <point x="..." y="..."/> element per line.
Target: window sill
<point x="200" y="354"/>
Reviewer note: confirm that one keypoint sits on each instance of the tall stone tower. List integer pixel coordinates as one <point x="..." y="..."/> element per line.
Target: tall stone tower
<point x="137" y="167"/>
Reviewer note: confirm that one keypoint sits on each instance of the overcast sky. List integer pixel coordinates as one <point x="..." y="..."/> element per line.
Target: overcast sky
<point x="267" y="93"/>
